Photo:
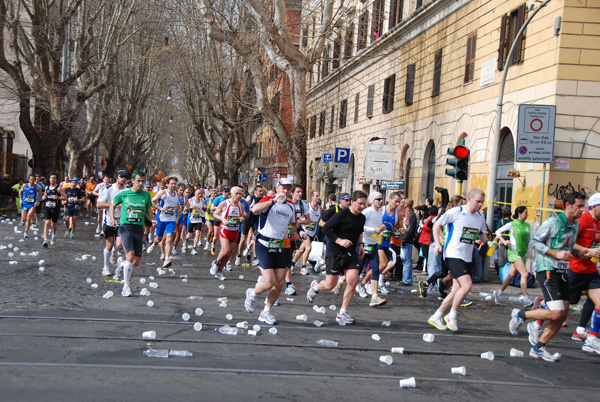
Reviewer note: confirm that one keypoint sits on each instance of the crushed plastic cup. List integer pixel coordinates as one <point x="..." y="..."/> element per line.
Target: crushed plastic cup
<point x="487" y="356"/>
<point x="184" y="280"/>
<point x="252" y="332"/>
<point x="376" y="337"/>
<point x="149" y="335"/>
<point x="459" y="370"/>
<point x="42" y="269"/>
<point x="333" y="307"/>
<point x="13" y="262"/>
<point x="290" y="299"/>
<point x="256" y="327"/>
<point x="321" y="310"/>
<point x="398" y="350"/>
<point x="153" y="285"/>
<point x="273" y="331"/>
<point x="151" y="278"/>
<point x="221" y="287"/>
<point x="242" y="325"/>
<point x="94" y="258"/>
<point x="488" y="298"/>
<point x="198" y="311"/>
<point x="316" y="308"/>
<point x="386" y="323"/>
<point x="94" y="285"/>
<point x="387" y="359"/>
<point x="413" y="291"/>
<point x="144" y="292"/>
<point x="108" y="294"/>
<point x="229" y="317"/>
<point x="408" y="383"/>
<point x="142" y="280"/>
<point x="197" y="326"/>
<point x="429" y="337"/>
<point x="222" y="299"/>
<point x="318" y="323"/>
<point x="516" y="352"/>
<point x="150" y="303"/>
<point x="11" y="254"/>
<point x="185" y="317"/>
<point x="223" y="304"/>
<point x="84" y="257"/>
<point x="241" y="277"/>
<point x="301" y="317"/>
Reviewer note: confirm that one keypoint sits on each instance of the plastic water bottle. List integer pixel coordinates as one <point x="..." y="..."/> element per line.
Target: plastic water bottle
<point x="227" y="330"/>
<point x="181" y="353"/>
<point x="157" y="353"/>
<point x="493" y="248"/>
<point x="327" y="343"/>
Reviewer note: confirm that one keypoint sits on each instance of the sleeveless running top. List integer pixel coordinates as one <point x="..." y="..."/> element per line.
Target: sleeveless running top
<point x="52" y="197"/>
<point x="232" y="214"/>
<point x="171" y="202"/>
<point x="197" y="212"/>
<point x="389" y="222"/>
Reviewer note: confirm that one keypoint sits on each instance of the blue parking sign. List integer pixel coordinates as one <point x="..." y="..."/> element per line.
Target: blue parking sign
<point x="326" y="158"/>
<point x="342" y="155"/>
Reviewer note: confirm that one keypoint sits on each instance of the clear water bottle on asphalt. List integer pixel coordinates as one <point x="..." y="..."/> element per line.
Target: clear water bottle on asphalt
<point x="181" y="353"/>
<point x="327" y="343"/>
<point x="227" y="330"/>
<point x="157" y="353"/>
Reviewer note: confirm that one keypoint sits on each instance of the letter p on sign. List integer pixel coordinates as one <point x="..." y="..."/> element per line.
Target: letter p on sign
<point x="342" y="155"/>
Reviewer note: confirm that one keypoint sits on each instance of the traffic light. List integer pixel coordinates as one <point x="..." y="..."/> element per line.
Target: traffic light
<point x="459" y="162"/>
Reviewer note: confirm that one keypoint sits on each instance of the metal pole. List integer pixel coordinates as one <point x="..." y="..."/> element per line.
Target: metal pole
<point x="491" y="193"/>
<point x="459" y="187"/>
<point x="543" y="193"/>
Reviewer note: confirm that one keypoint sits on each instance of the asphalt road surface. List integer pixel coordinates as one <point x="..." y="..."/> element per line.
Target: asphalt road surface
<point x="60" y="339"/>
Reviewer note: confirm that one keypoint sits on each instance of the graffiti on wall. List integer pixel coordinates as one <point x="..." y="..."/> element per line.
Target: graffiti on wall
<point x="558" y="191"/>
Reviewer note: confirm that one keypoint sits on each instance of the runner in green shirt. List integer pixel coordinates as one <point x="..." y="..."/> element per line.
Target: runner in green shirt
<point x="136" y="207"/>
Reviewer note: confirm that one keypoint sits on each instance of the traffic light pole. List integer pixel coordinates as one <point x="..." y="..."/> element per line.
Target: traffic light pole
<point x="459" y="187"/>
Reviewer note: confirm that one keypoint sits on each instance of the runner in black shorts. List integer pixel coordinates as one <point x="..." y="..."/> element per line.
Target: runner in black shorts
<point x="344" y="231"/>
<point x="53" y="196"/>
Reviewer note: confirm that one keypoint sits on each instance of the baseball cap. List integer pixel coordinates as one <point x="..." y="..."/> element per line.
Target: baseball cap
<point x="75" y="179"/>
<point x="284" y="181"/>
<point x="121" y="172"/>
<point x="594" y="200"/>
<point x="147" y="183"/>
<point x="225" y="189"/>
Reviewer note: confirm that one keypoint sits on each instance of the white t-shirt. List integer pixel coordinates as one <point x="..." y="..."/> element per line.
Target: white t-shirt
<point x="372" y="222"/>
<point x="107" y="195"/>
<point x="311" y="228"/>
<point x="273" y="222"/>
<point x="463" y="229"/>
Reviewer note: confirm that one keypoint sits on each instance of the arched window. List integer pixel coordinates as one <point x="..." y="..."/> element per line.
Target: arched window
<point x="430" y="184"/>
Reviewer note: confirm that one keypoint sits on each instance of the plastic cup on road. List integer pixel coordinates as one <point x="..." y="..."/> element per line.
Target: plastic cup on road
<point x="408" y="383"/>
<point x="142" y="280"/>
<point x="375" y="337"/>
<point x="317" y="323"/>
<point x="149" y="335"/>
<point x="185" y="317"/>
<point x="229" y="317"/>
<point x="332" y="307"/>
<point x="41" y="262"/>
<point x="256" y="327"/>
<point x="387" y="359"/>
<point x="273" y="331"/>
<point x="516" y="353"/>
<point x="301" y="317"/>
<point x="459" y="370"/>
<point x="429" y="337"/>
<point x="42" y="269"/>
<point x="94" y="285"/>
<point x="398" y="350"/>
<point x="242" y="324"/>
<point x="198" y="311"/>
<point x="108" y="294"/>
<point x="252" y="332"/>
<point x="241" y="277"/>
<point x="197" y="326"/>
<point x="150" y="303"/>
<point x="487" y="356"/>
<point x="221" y="287"/>
<point x="386" y="323"/>
<point x="88" y="280"/>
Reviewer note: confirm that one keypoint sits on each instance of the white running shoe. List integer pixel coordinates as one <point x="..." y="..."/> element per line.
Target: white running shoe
<point x="344" y="318"/>
<point x="497" y="297"/>
<point x="214" y="267"/>
<point x="206" y="246"/>
<point x="228" y="266"/>
<point x="106" y="271"/>
<point x="67" y="233"/>
<point x="515" y="322"/>
<point x="238" y="260"/>
<point x="193" y="252"/>
<point x="173" y="251"/>
<point x="250" y="301"/>
<point x="290" y="290"/>
<point x="267" y="318"/>
<point x="113" y="258"/>
<point x="368" y="288"/>
<point x="544" y="354"/>
<point x="126" y="292"/>
<point x="360" y="288"/>
<point x="25" y="235"/>
<point x="304" y="271"/>
<point x="534" y="333"/>
<point x="52" y="240"/>
<point x="255" y="262"/>
<point x="451" y="323"/>
<point x="377" y="301"/>
<point x="72" y="235"/>
<point x="438" y="323"/>
<point x="591" y="346"/>
<point x="162" y="256"/>
<point x="245" y="252"/>
<point x="149" y="249"/>
<point x="183" y="250"/>
<point x="167" y="264"/>
<point x="311" y="294"/>
<point x="219" y="275"/>
<point x="383" y="290"/>
<point x="98" y="229"/>
<point x="45" y="243"/>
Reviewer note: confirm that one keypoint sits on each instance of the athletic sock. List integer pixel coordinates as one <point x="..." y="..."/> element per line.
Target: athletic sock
<point x="267" y="309"/>
<point x="595" y="323"/>
<point x="343" y="311"/>
<point x="254" y="294"/>
<point x="438" y="314"/>
<point x="586" y="312"/>
<point x="127" y="268"/>
<point x="288" y="284"/>
<point x="453" y="313"/>
<point x="539" y="345"/>
<point x="499" y="292"/>
<point x="106" y="254"/>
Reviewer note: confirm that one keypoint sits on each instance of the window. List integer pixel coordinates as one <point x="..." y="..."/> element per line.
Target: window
<point x="356" y="108"/>
<point x="377" y="23"/>
<point x="363" y="25"/>
<point x="337" y="48"/>
<point x="389" y="87"/>
<point x="470" y="62"/>
<point x="276" y="103"/>
<point x="510" y="26"/>
<point x="343" y="112"/>
<point x="418" y="4"/>
<point x="322" y="124"/>
<point x="437" y="73"/>
<point x="410" y="84"/>
<point x="396" y="7"/>
<point x="313" y="126"/>
<point x="332" y="119"/>
<point x="310" y="76"/>
<point x="349" y="42"/>
<point x="325" y="65"/>
<point x="304" y="37"/>
<point x="370" y="97"/>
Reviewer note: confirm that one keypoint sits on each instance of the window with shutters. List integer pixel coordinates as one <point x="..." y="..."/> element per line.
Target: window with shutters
<point x="377" y="23"/>
<point x="410" y="84"/>
<point x="437" y="73"/>
<point x="356" y="99"/>
<point x="313" y="126"/>
<point x="470" y="61"/>
<point x="349" y="42"/>
<point x="363" y="26"/>
<point x="389" y="88"/>
<point x="370" y="99"/>
<point x="325" y="65"/>
<point x="322" y="124"/>
<point x="396" y="7"/>
<point x="332" y="122"/>
<point x="510" y="25"/>
<point x="335" y="58"/>
<point x="343" y="113"/>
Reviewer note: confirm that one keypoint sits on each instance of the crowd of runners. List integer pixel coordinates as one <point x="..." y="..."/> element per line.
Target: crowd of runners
<point x="360" y="242"/>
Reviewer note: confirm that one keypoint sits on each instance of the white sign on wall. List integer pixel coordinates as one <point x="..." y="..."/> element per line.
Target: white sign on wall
<point x="379" y="162"/>
<point x="535" y="133"/>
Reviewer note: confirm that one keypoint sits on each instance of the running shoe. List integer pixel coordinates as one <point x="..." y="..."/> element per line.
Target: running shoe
<point x="337" y="288"/>
<point x="25" y="236"/>
<point x="312" y="294"/>
<point x="451" y="323"/>
<point x="423" y="287"/>
<point x="304" y="271"/>
<point x="206" y="246"/>
<point x="591" y="346"/>
<point x="290" y="290"/>
<point x="344" y="319"/>
<point x="126" y="292"/>
<point x="360" y="288"/>
<point x="578" y="336"/>
<point x="368" y="288"/>
<point x="544" y="354"/>
<point x="106" y="271"/>
<point x="250" y="301"/>
<point x="437" y="322"/>
<point x="527" y="302"/>
<point x="441" y="285"/>
<point x="183" y="250"/>
<point x="45" y="243"/>
<point x="515" y="322"/>
<point x="98" y="229"/>
<point x="219" y="275"/>
<point x="534" y="333"/>
<point x="173" y="251"/>
<point x="193" y="252"/>
<point x="377" y="301"/>
<point x="167" y="264"/>
<point x="213" y="250"/>
<point x="260" y="279"/>
<point x="162" y="256"/>
<point x="228" y="266"/>
<point x="539" y="303"/>
<point x="267" y="318"/>
<point x="497" y="297"/>
<point x="245" y="252"/>
<point x="255" y="262"/>
<point x="149" y="249"/>
<point x="214" y="267"/>
<point x="238" y="260"/>
<point x="72" y="235"/>
<point x="466" y="303"/>
<point x="52" y="240"/>
<point x="381" y="288"/>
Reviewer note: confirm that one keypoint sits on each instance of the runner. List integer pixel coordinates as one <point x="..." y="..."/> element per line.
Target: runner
<point x="197" y="208"/>
<point x="249" y="227"/>
<point x="387" y="258"/>
<point x="516" y="250"/>
<point x="465" y="225"/>
<point x="183" y="194"/>
<point x="74" y="197"/>
<point x="554" y="241"/>
<point x="101" y="212"/>
<point x="168" y="219"/>
<point x="38" y="210"/>
<point x="30" y="195"/>
<point x="225" y="195"/>
<point x="91" y="197"/>
<point x="408" y="238"/>
<point x="210" y="222"/>
<point x="275" y="213"/>
<point x="313" y="211"/>
<point x="344" y="230"/>
<point x="136" y="205"/>
<point x="230" y="213"/>
<point x="111" y="233"/>
<point x="53" y="195"/>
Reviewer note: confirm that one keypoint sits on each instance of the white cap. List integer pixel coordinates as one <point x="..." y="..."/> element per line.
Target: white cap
<point x="594" y="200"/>
<point x="284" y="181"/>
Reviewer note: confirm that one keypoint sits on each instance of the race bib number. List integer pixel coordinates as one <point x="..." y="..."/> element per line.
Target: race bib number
<point x="397" y="234"/>
<point x="275" y="244"/>
<point x="469" y="235"/>
<point x="368" y="248"/>
<point x="71" y="200"/>
<point x="29" y="200"/>
<point x="289" y="231"/>
<point x="233" y="222"/>
<point x="170" y="211"/>
<point x="312" y="226"/>
<point x="562" y="265"/>
<point x="134" y="215"/>
<point x="51" y="204"/>
<point x="197" y="216"/>
<point x="385" y="235"/>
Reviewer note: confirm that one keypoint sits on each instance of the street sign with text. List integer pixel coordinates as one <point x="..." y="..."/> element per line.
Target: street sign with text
<point x="535" y="133"/>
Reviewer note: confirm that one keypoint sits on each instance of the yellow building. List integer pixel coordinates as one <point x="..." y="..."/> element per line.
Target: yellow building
<point x="420" y="76"/>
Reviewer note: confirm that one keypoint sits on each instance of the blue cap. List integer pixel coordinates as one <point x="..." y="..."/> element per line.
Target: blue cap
<point x="75" y="179"/>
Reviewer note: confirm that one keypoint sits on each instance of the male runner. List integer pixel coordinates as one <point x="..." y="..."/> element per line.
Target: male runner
<point x="74" y="197"/>
<point x="249" y="225"/>
<point x="101" y="212"/>
<point x="313" y="211"/>
<point x="372" y="230"/>
<point x="53" y="196"/>
<point x="168" y="219"/>
<point x="91" y="197"/>
<point x="210" y="221"/>
<point x="111" y="233"/>
<point x="197" y="208"/>
<point x="30" y="195"/>
<point x="136" y="205"/>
